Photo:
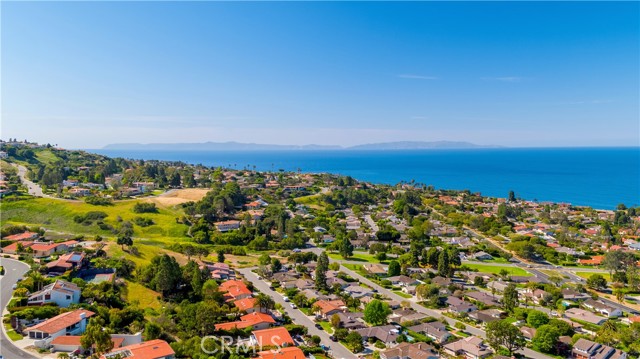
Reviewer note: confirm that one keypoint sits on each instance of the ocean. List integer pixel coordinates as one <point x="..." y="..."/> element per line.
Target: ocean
<point x="597" y="177"/>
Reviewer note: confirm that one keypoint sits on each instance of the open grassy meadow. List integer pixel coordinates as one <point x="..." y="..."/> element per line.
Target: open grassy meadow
<point x="145" y="297"/>
<point x="58" y="215"/>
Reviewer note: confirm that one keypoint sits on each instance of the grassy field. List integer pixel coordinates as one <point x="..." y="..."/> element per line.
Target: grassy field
<point x="586" y="275"/>
<point x="312" y="201"/>
<point x="487" y="268"/>
<point x="57" y="215"/>
<point x="145" y="297"/>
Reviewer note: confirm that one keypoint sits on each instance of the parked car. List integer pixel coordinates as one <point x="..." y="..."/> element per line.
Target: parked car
<point x="333" y="338"/>
<point x="14" y="286"/>
<point x="286" y="299"/>
<point x="318" y="326"/>
<point x="293" y="306"/>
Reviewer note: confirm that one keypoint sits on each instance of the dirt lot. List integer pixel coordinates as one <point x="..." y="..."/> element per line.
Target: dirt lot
<point x="178" y="196"/>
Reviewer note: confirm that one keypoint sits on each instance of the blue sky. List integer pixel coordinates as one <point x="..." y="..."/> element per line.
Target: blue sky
<point x="86" y="74"/>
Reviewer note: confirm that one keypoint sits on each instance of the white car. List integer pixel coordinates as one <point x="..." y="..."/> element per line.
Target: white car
<point x="293" y="306"/>
<point x="286" y="299"/>
<point x="14" y="288"/>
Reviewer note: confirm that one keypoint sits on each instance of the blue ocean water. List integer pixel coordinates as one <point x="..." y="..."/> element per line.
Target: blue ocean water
<point x="597" y="177"/>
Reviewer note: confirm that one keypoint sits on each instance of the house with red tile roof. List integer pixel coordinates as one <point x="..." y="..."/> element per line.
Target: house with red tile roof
<point x="255" y="320"/>
<point x="69" y="323"/>
<point x="235" y="289"/>
<point x="247" y="305"/>
<point x="284" y="353"/>
<point x="71" y="343"/>
<point x="327" y="308"/>
<point x="46" y="249"/>
<point x="69" y="261"/>
<point x="278" y="336"/>
<point x="25" y="236"/>
<point x="152" y="349"/>
<point x="594" y="261"/>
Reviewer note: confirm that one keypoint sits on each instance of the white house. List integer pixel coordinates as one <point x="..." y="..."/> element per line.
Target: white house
<point x="227" y="225"/>
<point x="69" y="323"/>
<point x="60" y="292"/>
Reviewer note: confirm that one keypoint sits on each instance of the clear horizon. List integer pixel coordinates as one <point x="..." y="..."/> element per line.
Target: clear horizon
<point x="513" y="74"/>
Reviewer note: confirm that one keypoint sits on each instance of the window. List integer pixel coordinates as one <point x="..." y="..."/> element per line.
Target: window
<point x="68" y="297"/>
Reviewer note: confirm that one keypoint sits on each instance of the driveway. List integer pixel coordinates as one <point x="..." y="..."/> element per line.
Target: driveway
<point x="337" y="350"/>
<point x="13" y="270"/>
<point x="32" y="188"/>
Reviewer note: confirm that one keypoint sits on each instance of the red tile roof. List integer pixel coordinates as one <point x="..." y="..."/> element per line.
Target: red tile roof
<point x="61" y="321"/>
<point x="75" y="340"/>
<point x="278" y="336"/>
<point x="153" y="349"/>
<point x="21" y="236"/>
<point x="284" y="353"/>
<point x="245" y="304"/>
<point x="246" y="321"/>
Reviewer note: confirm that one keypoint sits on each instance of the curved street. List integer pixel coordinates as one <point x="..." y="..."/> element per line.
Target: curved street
<point x="13" y="270"/>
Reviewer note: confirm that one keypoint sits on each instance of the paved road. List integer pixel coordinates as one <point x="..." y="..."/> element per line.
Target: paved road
<point x="371" y="222"/>
<point x="33" y="188"/>
<point x="13" y="270"/>
<point x="337" y="350"/>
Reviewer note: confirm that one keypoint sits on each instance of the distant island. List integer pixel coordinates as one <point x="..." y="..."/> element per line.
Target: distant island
<point x="237" y="146"/>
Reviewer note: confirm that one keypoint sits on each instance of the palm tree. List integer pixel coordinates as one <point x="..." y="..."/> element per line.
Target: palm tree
<point x="264" y="302"/>
<point x="63" y="356"/>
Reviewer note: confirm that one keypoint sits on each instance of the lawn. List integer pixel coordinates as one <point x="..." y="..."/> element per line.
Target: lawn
<point x="312" y="201"/>
<point x="487" y="268"/>
<point x="145" y="297"/>
<point x="12" y="334"/>
<point x="327" y="327"/>
<point x="357" y="256"/>
<point x="403" y="294"/>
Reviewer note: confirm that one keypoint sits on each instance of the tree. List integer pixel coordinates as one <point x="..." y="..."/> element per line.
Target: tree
<point x="124" y="240"/>
<point x="97" y="336"/>
<point x="597" y="282"/>
<point x="345" y="248"/>
<point x="432" y="257"/>
<point x="321" y="271"/>
<point x="510" y="297"/>
<point x="152" y="331"/>
<point x="335" y="321"/>
<point x="276" y="265"/>
<point x="512" y="196"/>
<point x="220" y="256"/>
<point x="501" y="333"/>
<point x="354" y="342"/>
<point x="545" y="339"/>
<point x="536" y="318"/>
<point x="264" y="259"/>
<point x="556" y="279"/>
<point x="376" y="312"/>
<point x="63" y="356"/>
<point x="394" y="268"/>
<point x="264" y="302"/>
<point x="443" y="264"/>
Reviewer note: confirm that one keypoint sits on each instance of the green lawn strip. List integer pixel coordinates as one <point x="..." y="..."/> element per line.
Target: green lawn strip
<point x="357" y="257"/>
<point x="12" y="334"/>
<point x="487" y="268"/>
<point x="402" y="294"/>
<point x="327" y="327"/>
